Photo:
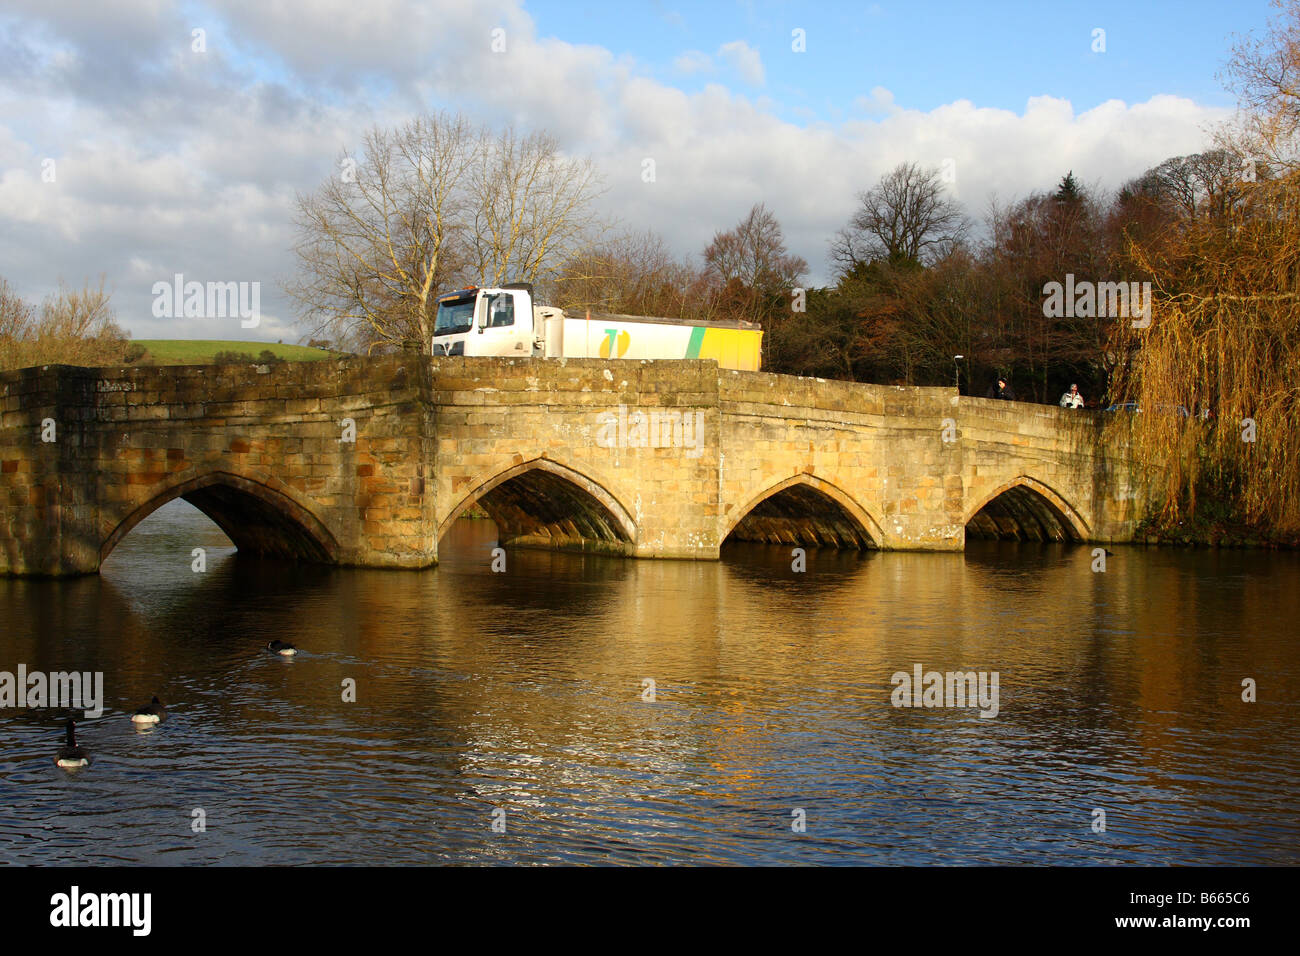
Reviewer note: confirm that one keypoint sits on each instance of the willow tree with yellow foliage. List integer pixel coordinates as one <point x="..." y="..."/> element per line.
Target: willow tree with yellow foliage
<point x="1216" y="373"/>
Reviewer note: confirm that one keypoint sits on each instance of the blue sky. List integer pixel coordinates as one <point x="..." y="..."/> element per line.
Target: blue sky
<point x="930" y="53"/>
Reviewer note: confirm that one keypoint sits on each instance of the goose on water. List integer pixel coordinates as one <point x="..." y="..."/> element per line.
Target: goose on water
<point x="151" y="713"/>
<point x="70" y="755"/>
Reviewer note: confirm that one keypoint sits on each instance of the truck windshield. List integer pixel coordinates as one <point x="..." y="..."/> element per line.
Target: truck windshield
<point x="454" y="315"/>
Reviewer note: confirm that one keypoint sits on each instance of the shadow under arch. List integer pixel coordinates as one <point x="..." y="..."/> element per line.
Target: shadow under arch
<point x="541" y="503"/>
<point x="808" y="511"/>
<point x="1026" y="509"/>
<point x="257" y="518"/>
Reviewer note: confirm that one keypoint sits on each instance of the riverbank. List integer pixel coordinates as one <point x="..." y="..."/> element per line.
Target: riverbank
<point x="1214" y="532"/>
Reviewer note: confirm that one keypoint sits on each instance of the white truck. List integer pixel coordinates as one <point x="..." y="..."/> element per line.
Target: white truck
<point x="505" y="321"/>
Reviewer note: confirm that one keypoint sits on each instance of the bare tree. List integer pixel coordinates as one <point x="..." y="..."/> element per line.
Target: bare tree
<point x="72" y="327"/>
<point x="372" y="240"/>
<point x="751" y="265"/>
<point x="531" y="207"/>
<point x="633" y="273"/>
<point x="1195" y="186"/>
<point x="752" y="276"/>
<point x="431" y="204"/>
<point x="1264" y="72"/>
<point x="906" y="217"/>
<point x="16" y="320"/>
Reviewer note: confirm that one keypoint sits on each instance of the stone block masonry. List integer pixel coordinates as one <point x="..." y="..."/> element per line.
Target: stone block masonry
<point x="368" y="462"/>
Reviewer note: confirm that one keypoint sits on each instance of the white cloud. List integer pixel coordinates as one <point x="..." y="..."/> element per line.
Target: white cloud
<point x="880" y="101"/>
<point x="744" y="60"/>
<point x="693" y="61"/>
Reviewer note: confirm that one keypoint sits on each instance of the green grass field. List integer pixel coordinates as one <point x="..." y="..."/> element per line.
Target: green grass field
<point x="202" y="351"/>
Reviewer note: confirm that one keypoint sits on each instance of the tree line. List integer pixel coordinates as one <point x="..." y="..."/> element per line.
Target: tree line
<point x="438" y="205"/>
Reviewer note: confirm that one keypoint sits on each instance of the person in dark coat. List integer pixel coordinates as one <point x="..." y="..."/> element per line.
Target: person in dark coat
<point x="1001" y="389"/>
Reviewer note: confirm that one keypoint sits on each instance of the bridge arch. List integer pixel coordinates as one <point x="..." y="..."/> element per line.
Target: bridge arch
<point x="805" y="510"/>
<point x="256" y="516"/>
<point x="543" y="502"/>
<point x="1026" y="509"/>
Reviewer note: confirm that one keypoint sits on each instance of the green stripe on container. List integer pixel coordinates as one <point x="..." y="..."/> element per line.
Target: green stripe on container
<point x="697" y="339"/>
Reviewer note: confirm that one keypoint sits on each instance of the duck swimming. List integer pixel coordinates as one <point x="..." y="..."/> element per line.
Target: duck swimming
<point x="71" y="755"/>
<point x="151" y="713"/>
<point x="281" y="648"/>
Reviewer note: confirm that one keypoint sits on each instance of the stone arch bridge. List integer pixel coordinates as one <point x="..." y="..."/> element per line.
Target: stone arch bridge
<point x="369" y="461"/>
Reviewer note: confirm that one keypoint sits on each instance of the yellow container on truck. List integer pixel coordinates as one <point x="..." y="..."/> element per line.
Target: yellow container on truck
<point x="505" y="321"/>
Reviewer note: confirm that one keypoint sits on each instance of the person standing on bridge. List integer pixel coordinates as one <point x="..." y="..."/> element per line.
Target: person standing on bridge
<point x="1072" y="398"/>
<point x="1001" y="390"/>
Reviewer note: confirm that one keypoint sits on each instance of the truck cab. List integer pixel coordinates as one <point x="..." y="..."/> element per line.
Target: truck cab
<point x="479" y="321"/>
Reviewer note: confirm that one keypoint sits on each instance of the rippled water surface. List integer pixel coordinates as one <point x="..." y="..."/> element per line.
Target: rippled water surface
<point x="523" y="692"/>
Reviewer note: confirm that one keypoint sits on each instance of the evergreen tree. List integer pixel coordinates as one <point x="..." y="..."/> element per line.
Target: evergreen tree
<point x="1068" y="190"/>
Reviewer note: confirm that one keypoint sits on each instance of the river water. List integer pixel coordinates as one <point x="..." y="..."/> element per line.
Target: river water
<point x="519" y="699"/>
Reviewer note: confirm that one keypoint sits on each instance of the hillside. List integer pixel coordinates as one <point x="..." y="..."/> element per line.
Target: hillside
<point x="203" y="351"/>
